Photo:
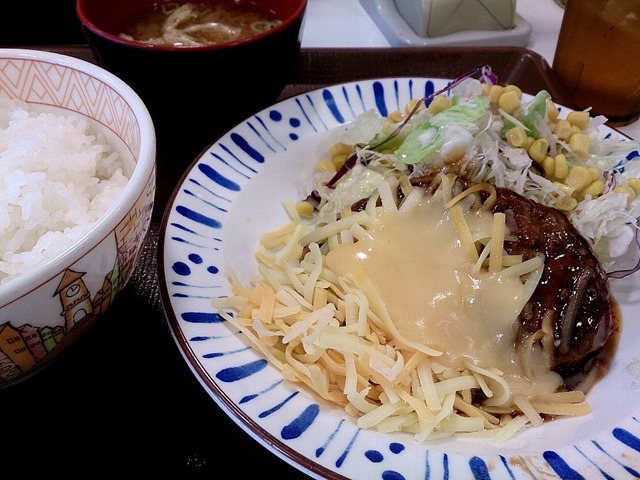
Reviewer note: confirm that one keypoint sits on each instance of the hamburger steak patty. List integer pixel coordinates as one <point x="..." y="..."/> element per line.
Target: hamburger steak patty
<point x="574" y="289"/>
<point x="573" y="297"/>
<point x="572" y="300"/>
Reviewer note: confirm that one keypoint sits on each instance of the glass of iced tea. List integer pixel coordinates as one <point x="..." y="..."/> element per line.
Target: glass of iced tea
<point x="598" y="57"/>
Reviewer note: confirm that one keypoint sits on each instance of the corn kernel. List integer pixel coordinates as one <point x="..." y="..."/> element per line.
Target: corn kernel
<point x="411" y="104"/>
<point x="395" y="116"/>
<point x="339" y="160"/>
<point x="562" y="129"/>
<point x="538" y="150"/>
<point x="304" y="209"/>
<point x="485" y="89"/>
<point x="549" y="166"/>
<point x="567" y="190"/>
<point x="561" y="168"/>
<point x="530" y="141"/>
<point x="628" y="191"/>
<point x="580" y="145"/>
<point x="338" y="148"/>
<point x="439" y="103"/>
<point x="635" y="184"/>
<point x="578" y="177"/>
<point x="552" y="111"/>
<point x="579" y="119"/>
<point x="494" y="93"/>
<point x="509" y="101"/>
<point x="595" y="173"/>
<point x="566" y="203"/>
<point x="517" y="136"/>
<point x="326" y="166"/>
<point x="575" y="129"/>
<point x="594" y="189"/>
<point x="513" y="88"/>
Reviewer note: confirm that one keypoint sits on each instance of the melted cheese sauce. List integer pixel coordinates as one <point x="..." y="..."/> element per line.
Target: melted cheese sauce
<point x="435" y="296"/>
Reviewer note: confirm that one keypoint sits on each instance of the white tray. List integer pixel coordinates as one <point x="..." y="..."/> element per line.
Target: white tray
<point x="400" y="34"/>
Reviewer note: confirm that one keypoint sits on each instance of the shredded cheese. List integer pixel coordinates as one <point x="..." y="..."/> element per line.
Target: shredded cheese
<point x="335" y="335"/>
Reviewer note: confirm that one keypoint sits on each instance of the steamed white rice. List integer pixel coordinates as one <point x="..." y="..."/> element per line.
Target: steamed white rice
<point x="58" y="176"/>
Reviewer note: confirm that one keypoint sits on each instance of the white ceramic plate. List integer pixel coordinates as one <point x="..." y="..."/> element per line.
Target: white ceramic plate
<point x="230" y="196"/>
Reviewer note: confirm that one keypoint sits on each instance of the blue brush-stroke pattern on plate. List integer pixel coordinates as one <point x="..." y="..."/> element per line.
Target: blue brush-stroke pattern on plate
<point x="199" y="246"/>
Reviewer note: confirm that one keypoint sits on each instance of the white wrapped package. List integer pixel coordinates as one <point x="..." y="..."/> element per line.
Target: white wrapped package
<point x="436" y="18"/>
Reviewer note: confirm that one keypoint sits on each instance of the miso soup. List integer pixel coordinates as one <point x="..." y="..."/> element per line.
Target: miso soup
<point x="198" y="24"/>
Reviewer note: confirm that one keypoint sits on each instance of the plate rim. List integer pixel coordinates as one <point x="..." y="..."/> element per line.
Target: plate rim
<point x="239" y="416"/>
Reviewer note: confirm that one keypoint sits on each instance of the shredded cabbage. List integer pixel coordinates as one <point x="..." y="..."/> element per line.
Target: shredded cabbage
<point x="457" y="123"/>
<point x="470" y="136"/>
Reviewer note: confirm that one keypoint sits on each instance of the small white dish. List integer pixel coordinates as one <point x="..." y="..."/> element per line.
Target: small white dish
<point x="399" y="33"/>
<point x="230" y="196"/>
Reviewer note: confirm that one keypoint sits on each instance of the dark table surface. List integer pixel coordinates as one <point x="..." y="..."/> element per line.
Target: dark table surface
<point x="122" y="399"/>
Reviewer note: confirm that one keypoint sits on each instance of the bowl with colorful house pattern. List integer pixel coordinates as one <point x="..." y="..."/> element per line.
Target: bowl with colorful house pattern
<point x="77" y="186"/>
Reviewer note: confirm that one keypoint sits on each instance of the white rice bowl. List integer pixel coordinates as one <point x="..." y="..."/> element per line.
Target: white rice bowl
<point x="58" y="176"/>
<point x="77" y="185"/>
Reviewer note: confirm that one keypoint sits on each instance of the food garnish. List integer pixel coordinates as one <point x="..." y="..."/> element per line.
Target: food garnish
<point x="449" y="272"/>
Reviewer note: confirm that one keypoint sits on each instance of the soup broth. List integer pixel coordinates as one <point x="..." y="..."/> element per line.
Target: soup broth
<point x="198" y="24"/>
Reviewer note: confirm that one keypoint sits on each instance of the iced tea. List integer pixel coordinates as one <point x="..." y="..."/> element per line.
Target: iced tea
<point x="598" y="57"/>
